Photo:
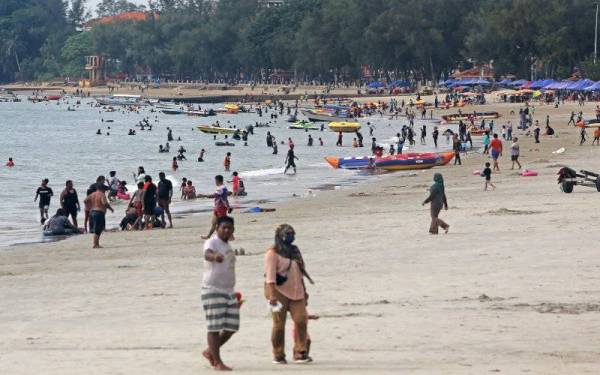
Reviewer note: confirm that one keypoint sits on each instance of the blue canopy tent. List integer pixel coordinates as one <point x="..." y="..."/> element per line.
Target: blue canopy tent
<point x="470" y="82"/>
<point x="448" y="82"/>
<point x="594" y="87"/>
<point x="557" y="85"/>
<point x="583" y="84"/>
<point x="376" y="85"/>
<point x="481" y="82"/>
<point x="505" y="82"/>
<point x="400" y="83"/>
<point x="573" y="85"/>
<point x="540" y="83"/>
<point x="518" y="83"/>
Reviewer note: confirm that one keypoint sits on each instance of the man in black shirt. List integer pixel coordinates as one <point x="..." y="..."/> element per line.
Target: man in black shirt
<point x="165" y="193"/>
<point x="44" y="193"/>
<point x="149" y="202"/>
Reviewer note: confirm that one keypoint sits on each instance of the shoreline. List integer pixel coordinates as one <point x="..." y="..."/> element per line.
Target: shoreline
<point x="213" y="93"/>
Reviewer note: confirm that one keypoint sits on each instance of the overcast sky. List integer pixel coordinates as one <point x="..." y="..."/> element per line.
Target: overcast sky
<point x="91" y="4"/>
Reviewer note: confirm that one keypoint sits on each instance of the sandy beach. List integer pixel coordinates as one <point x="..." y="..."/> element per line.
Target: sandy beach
<point x="513" y="288"/>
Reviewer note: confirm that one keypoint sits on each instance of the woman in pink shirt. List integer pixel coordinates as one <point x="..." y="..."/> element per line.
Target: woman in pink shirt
<point x="284" y="285"/>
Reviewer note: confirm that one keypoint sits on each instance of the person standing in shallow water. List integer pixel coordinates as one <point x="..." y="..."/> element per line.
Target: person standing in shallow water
<point x="290" y="161"/>
<point x="44" y="193"/>
<point x="437" y="198"/>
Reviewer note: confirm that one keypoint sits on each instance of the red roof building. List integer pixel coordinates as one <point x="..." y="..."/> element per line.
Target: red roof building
<point x="127" y="16"/>
<point x="476" y="72"/>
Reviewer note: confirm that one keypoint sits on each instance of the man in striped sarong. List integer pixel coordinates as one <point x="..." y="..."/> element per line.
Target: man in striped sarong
<point x="218" y="297"/>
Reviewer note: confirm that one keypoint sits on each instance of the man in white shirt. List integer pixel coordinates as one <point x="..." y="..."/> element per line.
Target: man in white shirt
<point x="218" y="297"/>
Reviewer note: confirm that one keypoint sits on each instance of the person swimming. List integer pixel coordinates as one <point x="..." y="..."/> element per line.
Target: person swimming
<point x="10" y="163"/>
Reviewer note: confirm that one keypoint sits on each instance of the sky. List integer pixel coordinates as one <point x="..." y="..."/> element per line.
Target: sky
<point x="91" y="4"/>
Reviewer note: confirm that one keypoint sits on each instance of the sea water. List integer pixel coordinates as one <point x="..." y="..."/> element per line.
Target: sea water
<point x="46" y="140"/>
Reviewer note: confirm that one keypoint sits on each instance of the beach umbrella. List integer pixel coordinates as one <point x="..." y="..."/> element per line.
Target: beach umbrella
<point x="505" y="82"/>
<point x="537" y="93"/>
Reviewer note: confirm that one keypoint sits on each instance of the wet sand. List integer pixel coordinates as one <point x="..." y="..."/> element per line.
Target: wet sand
<point x="513" y="288"/>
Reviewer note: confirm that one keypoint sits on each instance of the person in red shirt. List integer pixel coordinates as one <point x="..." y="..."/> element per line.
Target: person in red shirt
<point x="10" y="163"/>
<point x="227" y="161"/>
<point x="236" y="183"/>
<point x="496" y="151"/>
<point x="174" y="165"/>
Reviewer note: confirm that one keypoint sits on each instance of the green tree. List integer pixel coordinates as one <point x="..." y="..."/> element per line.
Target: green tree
<point x="73" y="53"/>
<point x="114" y="7"/>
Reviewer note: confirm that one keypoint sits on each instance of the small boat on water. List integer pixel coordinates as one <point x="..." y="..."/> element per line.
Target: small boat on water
<point x="477" y="131"/>
<point x="173" y="111"/>
<point x="323" y="115"/>
<point x="209" y="129"/>
<point x="405" y="162"/>
<point x="344" y="127"/>
<point x="8" y="98"/>
<point x="224" y="143"/>
<point x="456" y="117"/>
<point x="121" y="99"/>
<point x="204" y="113"/>
<point x="232" y="108"/>
<point x="304" y="125"/>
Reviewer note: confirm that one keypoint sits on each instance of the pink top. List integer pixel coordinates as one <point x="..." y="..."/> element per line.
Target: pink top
<point x="293" y="288"/>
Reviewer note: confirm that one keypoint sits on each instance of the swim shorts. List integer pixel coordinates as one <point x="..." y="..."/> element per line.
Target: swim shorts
<point x="495" y="154"/>
<point x="222" y="311"/>
<point x="97" y="222"/>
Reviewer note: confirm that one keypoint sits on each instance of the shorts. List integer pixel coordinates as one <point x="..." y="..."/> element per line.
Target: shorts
<point x="149" y="208"/>
<point x="219" y="212"/>
<point x="514" y="157"/>
<point x="72" y="211"/>
<point x="222" y="311"/>
<point x="495" y="154"/>
<point x="97" y="222"/>
<point x="44" y="205"/>
<point x="138" y="209"/>
<point x="164" y="204"/>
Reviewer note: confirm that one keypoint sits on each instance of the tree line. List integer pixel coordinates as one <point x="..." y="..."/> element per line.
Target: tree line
<point x="315" y="39"/>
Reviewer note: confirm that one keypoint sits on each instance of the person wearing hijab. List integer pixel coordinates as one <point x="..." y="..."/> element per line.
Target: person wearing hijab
<point x="284" y="287"/>
<point x="437" y="198"/>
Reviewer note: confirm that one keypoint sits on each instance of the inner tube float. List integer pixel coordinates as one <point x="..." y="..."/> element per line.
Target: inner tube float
<point x="529" y="173"/>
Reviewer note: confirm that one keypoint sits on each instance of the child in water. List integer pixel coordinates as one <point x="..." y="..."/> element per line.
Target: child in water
<point x="174" y="165"/>
<point x="10" y="163"/>
<point x="182" y="186"/>
<point x="227" y="161"/>
<point x="189" y="192"/>
<point x="238" y="185"/>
